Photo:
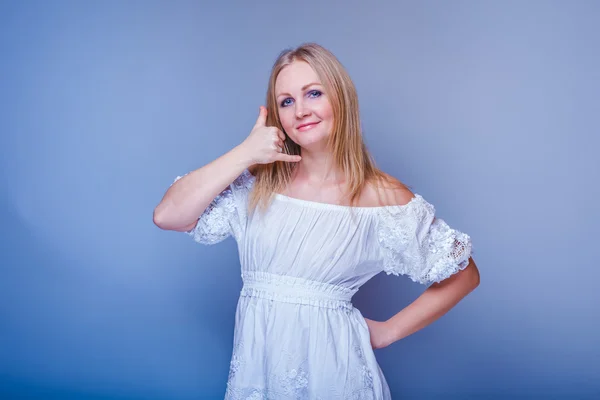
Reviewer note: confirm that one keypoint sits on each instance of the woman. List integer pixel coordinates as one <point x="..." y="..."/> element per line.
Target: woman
<point x="314" y="219"/>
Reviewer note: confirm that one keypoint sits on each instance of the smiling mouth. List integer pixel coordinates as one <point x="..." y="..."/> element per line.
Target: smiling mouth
<point x="307" y="127"/>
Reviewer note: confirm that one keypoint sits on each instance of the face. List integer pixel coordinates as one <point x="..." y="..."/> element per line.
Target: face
<point x="304" y="108"/>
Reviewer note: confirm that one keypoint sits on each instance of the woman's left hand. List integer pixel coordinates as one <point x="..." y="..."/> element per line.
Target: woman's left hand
<point x="381" y="335"/>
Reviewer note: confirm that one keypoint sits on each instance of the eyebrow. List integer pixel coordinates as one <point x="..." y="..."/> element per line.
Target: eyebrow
<point x="303" y="88"/>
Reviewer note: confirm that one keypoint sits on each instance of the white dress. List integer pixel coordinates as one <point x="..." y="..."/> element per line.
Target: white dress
<point x="297" y="334"/>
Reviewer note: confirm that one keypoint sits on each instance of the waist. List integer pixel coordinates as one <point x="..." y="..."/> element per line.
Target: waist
<point x="290" y="289"/>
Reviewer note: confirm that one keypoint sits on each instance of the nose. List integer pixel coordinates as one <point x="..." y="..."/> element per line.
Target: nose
<point x="301" y="111"/>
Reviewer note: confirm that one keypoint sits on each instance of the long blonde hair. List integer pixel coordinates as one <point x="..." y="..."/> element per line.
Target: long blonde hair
<point x="348" y="149"/>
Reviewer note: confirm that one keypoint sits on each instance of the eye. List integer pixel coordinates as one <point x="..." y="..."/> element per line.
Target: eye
<point x="286" y="102"/>
<point x="315" y="93"/>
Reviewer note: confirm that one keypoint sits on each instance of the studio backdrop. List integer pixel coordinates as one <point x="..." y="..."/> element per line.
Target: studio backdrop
<point x="487" y="109"/>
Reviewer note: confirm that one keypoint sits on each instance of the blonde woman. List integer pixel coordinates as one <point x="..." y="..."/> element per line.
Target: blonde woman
<point x="314" y="219"/>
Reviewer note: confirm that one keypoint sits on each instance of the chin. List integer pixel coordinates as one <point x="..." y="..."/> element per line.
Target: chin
<point x="314" y="143"/>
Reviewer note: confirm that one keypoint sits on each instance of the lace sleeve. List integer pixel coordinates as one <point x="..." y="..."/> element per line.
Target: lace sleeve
<point x="226" y="214"/>
<point x="415" y="243"/>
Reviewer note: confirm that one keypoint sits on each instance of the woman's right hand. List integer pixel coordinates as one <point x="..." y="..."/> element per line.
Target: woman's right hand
<point x="265" y="143"/>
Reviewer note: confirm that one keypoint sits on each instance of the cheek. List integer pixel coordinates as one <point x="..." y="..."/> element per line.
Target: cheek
<point x="325" y="111"/>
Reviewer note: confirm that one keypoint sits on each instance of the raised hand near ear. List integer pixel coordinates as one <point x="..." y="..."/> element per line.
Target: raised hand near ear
<point x="264" y="144"/>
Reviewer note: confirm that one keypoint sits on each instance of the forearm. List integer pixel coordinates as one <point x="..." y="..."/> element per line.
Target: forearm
<point x="435" y="301"/>
<point x="187" y="198"/>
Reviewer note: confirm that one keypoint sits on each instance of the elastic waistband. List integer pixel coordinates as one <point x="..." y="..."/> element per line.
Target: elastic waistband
<point x="296" y="290"/>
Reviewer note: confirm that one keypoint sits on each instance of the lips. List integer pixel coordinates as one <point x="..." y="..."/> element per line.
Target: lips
<point x="307" y="126"/>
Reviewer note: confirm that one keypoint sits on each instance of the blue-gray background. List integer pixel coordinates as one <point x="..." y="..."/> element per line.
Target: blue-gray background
<point x="488" y="109"/>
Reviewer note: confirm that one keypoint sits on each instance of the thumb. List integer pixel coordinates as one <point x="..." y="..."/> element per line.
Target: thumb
<point x="289" y="157"/>
<point x="262" y="117"/>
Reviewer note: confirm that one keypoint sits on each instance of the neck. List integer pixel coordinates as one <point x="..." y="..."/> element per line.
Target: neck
<point x="316" y="167"/>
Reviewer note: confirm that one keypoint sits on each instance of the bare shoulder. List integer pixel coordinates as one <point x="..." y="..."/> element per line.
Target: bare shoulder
<point x="387" y="191"/>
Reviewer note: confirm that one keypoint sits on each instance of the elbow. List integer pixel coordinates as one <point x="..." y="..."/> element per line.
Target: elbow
<point x="475" y="282"/>
<point x="160" y="219"/>
<point x="473" y="274"/>
<point x="157" y="218"/>
<point x="168" y="224"/>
